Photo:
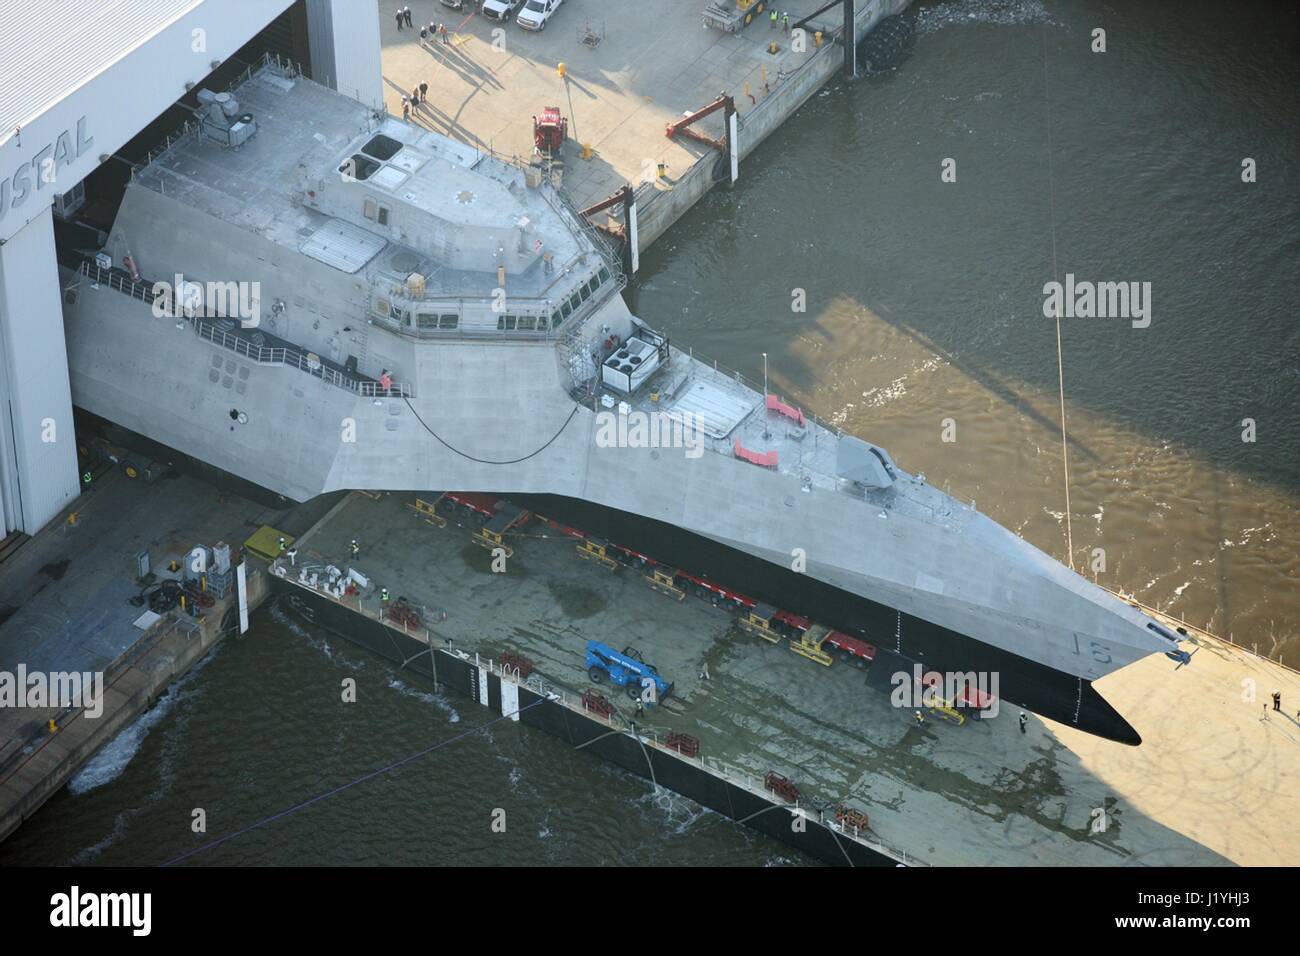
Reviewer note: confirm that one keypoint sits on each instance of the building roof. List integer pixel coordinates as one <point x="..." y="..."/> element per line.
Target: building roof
<point x="50" y="49"/>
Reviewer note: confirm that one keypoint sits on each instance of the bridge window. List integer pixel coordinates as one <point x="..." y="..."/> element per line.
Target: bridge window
<point x="368" y="209"/>
<point x="383" y="216"/>
<point x="527" y="323"/>
<point x="450" y="321"/>
<point x="604" y="274"/>
<point x="556" y="318"/>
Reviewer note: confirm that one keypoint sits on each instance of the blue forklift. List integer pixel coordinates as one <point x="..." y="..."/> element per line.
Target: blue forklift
<point x="626" y="669"/>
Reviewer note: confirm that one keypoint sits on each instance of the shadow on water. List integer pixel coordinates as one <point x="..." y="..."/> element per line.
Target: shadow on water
<point x="1143" y="185"/>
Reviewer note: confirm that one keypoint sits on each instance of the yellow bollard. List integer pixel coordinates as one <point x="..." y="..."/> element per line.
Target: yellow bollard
<point x="72" y="518"/>
<point x="817" y="38"/>
<point x="661" y="170"/>
<point x="771" y="47"/>
<point x="501" y="277"/>
<point x="54" y="728"/>
<point x="562" y="70"/>
<point x="586" y="151"/>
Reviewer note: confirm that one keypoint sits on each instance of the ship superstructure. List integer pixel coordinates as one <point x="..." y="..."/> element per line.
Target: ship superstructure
<point x="416" y="314"/>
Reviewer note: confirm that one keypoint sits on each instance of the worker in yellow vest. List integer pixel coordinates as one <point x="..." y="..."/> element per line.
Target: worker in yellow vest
<point x="772" y="18"/>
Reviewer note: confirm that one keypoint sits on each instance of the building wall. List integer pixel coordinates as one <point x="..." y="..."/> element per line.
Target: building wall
<point x="343" y="36"/>
<point x="45" y="157"/>
<point x="38" y="450"/>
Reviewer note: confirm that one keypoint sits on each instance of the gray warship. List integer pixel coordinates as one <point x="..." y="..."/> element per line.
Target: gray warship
<point x="426" y="316"/>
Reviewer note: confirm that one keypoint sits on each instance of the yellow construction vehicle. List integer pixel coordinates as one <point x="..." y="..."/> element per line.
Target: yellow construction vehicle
<point x="597" y="549"/>
<point x="492" y="535"/>
<point x="809" y="644"/>
<point x="428" y="512"/>
<point x="944" y="709"/>
<point x="759" y="620"/>
<point x="665" y="582"/>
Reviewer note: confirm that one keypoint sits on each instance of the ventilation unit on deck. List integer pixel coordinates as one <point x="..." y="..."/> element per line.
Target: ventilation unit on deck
<point x="222" y="120"/>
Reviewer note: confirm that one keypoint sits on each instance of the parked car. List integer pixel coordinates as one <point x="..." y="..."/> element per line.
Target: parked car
<point x="537" y="13"/>
<point x="500" y="9"/>
<point x="454" y="4"/>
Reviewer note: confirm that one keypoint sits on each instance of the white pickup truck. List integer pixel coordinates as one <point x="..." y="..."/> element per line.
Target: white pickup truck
<point x="536" y="13"/>
<point x="500" y="9"/>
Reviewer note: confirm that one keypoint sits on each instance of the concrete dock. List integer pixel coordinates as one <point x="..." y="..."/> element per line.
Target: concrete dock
<point x="1211" y="784"/>
<point x="630" y="69"/>
<point x="64" y="597"/>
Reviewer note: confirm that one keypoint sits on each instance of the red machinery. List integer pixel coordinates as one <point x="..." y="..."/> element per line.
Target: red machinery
<point x="517" y="663"/>
<point x="684" y="744"/>
<point x="549" y="133"/>
<point x="402" y="614"/>
<point x="851" y="819"/>
<point x="782" y="786"/>
<point x="597" y="704"/>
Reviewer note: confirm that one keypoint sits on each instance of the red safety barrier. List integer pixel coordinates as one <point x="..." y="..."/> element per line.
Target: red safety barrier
<point x="789" y="411"/>
<point x="766" y="459"/>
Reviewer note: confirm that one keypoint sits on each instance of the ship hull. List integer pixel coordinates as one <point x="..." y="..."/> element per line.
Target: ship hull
<point x="1051" y="693"/>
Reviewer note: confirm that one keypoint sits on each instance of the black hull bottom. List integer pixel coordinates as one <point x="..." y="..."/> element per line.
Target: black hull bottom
<point x="1044" y="690"/>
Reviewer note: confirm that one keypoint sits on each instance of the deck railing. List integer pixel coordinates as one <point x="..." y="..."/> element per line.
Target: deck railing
<point x="210" y="331"/>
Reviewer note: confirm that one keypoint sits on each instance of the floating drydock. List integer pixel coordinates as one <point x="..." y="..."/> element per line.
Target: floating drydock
<point x="1208" y="786"/>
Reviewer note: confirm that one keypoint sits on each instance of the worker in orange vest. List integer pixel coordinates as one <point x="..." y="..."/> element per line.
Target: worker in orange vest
<point x="385" y="381"/>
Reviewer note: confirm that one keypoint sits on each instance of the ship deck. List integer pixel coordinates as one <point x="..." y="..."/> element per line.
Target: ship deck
<point x="1210" y="784"/>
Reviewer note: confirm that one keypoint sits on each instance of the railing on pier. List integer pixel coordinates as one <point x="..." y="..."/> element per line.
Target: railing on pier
<point x="651" y="737"/>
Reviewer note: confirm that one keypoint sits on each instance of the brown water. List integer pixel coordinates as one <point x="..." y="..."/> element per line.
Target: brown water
<point x="925" y="304"/>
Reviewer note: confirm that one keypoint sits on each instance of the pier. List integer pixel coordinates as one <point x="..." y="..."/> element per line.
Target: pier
<point x="630" y="69"/>
<point x="66" y="600"/>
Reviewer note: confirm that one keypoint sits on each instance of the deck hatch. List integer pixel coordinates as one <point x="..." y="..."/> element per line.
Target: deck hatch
<point x="342" y="245"/>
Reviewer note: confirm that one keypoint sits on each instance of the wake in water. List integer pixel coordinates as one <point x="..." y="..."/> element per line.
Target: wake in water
<point x="110" y="763"/>
<point x="425" y="696"/>
<point x="1005" y="13"/>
